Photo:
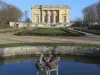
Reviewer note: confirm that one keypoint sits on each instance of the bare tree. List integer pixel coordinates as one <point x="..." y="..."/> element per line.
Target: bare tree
<point x="26" y="15"/>
<point x="9" y="12"/>
<point x="27" y="19"/>
<point x="98" y="11"/>
<point x="90" y="14"/>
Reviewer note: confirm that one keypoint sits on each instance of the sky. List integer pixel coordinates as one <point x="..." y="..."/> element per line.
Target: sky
<point x="76" y="5"/>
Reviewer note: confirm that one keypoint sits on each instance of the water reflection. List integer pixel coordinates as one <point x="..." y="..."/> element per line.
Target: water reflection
<point x="17" y="60"/>
<point x="82" y="60"/>
<point x="68" y="66"/>
<point x="67" y="59"/>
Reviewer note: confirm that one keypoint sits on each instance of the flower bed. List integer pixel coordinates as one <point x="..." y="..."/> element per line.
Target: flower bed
<point x="73" y="33"/>
<point x="96" y="32"/>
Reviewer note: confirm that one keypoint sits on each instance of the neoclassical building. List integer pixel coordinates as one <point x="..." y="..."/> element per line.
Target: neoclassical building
<point x="50" y="14"/>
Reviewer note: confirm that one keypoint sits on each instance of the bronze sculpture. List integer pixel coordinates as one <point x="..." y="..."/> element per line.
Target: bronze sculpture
<point x="47" y="63"/>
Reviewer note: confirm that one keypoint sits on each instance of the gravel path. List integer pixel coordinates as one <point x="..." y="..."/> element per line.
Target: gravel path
<point x="88" y="39"/>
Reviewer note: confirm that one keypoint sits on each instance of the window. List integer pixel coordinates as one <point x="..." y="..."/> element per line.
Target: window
<point x="37" y="19"/>
<point x="56" y="19"/>
<point x="64" y="19"/>
<point x="45" y="19"/>
<point x="51" y="19"/>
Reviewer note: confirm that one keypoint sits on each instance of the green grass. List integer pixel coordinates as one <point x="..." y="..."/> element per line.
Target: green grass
<point x="48" y="32"/>
<point x="47" y="44"/>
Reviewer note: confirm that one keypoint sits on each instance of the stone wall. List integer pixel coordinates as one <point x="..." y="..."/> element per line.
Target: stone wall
<point x="32" y="50"/>
<point x="33" y="25"/>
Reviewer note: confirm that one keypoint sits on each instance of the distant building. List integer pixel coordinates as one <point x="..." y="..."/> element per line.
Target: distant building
<point x="21" y="24"/>
<point x="17" y="24"/>
<point x="50" y="14"/>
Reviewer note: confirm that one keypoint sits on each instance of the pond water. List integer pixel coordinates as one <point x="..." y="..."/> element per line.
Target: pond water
<point x="68" y="66"/>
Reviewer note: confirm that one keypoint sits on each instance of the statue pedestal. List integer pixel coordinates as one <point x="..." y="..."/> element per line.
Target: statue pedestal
<point x="48" y="72"/>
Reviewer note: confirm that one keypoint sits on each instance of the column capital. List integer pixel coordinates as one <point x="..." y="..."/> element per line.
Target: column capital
<point x="55" y="13"/>
<point x="44" y="13"/>
<point x="49" y="13"/>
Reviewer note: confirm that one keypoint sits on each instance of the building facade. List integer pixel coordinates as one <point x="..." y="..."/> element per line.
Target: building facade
<point x="50" y="14"/>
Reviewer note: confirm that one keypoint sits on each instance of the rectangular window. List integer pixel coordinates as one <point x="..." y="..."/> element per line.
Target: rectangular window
<point x="57" y="19"/>
<point x="45" y="19"/>
<point x="37" y="19"/>
<point x="64" y="19"/>
<point x="51" y="19"/>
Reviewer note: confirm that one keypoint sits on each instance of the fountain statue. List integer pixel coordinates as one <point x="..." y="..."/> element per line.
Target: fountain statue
<point x="47" y="63"/>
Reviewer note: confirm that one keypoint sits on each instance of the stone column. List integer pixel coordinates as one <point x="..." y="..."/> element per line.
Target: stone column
<point x="49" y="19"/>
<point x="42" y="18"/>
<point x="60" y="16"/>
<point x="54" y="17"/>
<point x="43" y="15"/>
<point x="48" y="16"/>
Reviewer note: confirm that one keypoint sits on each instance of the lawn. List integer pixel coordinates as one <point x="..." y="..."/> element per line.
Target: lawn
<point x="48" y="44"/>
<point x="48" y="32"/>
